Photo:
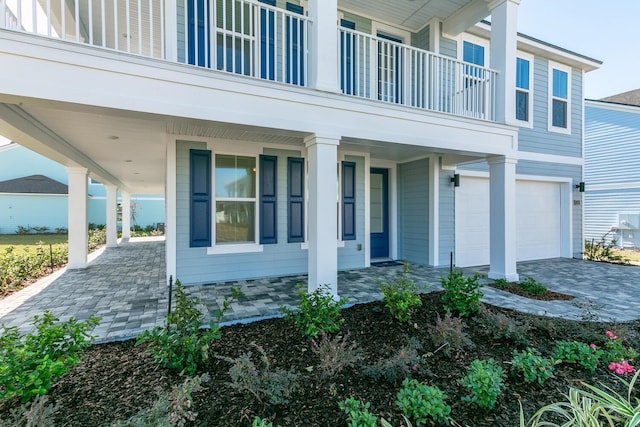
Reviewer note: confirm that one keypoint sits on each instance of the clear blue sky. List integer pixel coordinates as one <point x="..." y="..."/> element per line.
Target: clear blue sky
<point x="607" y="30"/>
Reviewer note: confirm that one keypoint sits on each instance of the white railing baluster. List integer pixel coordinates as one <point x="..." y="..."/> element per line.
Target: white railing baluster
<point x="127" y="5"/>
<point x="185" y="25"/>
<point x="103" y="20"/>
<point x="34" y="14"/>
<point x="19" y="14"/>
<point x="90" y="4"/>
<point x="77" y="18"/>
<point x="3" y="14"/>
<point x="206" y="30"/>
<point x="139" y="26"/>
<point x="116" y="35"/>
<point x="151" y="29"/>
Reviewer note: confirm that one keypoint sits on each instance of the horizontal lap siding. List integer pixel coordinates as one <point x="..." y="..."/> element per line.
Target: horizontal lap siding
<point x="195" y="266"/>
<point x="349" y="256"/>
<point x="421" y="38"/>
<point x="602" y="208"/>
<point x="612" y="146"/>
<point x="539" y="139"/>
<point x="363" y="25"/>
<point x="413" y="188"/>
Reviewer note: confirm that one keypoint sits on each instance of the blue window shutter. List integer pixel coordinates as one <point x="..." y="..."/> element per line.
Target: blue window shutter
<point x="295" y="199"/>
<point x="268" y="200"/>
<point x="200" y="198"/>
<point x="295" y="47"/>
<point x="348" y="201"/>
<point x="267" y="42"/>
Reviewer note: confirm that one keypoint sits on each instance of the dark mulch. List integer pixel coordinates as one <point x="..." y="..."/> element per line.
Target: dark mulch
<point x="116" y="380"/>
<point x="514" y="288"/>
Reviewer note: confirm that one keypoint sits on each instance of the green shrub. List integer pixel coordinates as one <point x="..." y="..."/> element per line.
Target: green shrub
<point x="358" y="413"/>
<point x="319" y="312"/>
<point x="534" y="288"/>
<point x="448" y="332"/>
<point x="16" y="267"/>
<point x="484" y="382"/>
<point x="618" y="349"/>
<point x="179" y="344"/>
<point x="574" y="352"/>
<point x="265" y="383"/>
<point x="500" y="326"/>
<point x="462" y="295"/>
<point x="335" y="353"/>
<point x="400" y="296"/>
<point x="38" y="413"/>
<point x="29" y="364"/>
<point x="420" y="402"/>
<point x="260" y="422"/>
<point x="532" y="365"/>
<point x="602" y="250"/>
<point x="170" y="409"/>
<point x="97" y="237"/>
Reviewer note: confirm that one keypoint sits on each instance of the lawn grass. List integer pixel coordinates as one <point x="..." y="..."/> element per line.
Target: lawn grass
<point x="22" y="241"/>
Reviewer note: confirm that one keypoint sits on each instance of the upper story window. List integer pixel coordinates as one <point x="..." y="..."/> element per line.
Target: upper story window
<point x="524" y="83"/>
<point x="473" y="53"/>
<point x="235" y="199"/>
<point x="559" y="98"/>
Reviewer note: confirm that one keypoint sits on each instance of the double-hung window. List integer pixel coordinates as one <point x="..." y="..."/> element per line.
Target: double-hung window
<point x="523" y="89"/>
<point x="235" y="199"/>
<point x="559" y="98"/>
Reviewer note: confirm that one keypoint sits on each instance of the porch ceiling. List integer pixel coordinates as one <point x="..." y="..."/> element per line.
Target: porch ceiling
<point x="411" y="14"/>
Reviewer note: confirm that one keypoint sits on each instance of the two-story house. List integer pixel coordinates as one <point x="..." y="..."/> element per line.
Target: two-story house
<point x="307" y="136"/>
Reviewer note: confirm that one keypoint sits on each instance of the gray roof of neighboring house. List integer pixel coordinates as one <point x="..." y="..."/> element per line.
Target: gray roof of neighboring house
<point x="631" y="97"/>
<point x="34" y="184"/>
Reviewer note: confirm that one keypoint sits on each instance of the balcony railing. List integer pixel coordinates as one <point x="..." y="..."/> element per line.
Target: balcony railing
<point x="377" y="68"/>
<point x="254" y="39"/>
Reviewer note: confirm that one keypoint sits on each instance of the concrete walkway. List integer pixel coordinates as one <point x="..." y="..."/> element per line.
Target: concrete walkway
<point x="126" y="287"/>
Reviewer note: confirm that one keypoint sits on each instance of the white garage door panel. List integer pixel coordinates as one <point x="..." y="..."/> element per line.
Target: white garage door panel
<point x="537" y="221"/>
<point x="472" y="222"/>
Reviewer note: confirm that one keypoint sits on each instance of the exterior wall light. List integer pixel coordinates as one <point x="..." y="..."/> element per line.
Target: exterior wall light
<point x="580" y="187"/>
<point x="455" y="179"/>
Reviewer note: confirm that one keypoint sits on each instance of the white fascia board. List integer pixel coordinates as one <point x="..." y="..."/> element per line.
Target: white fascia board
<point x="140" y="85"/>
<point x="635" y="109"/>
<point x="34" y="194"/>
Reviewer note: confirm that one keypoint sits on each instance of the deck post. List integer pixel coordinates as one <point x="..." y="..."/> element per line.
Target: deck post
<point x="323" y="222"/>
<point x="502" y="224"/>
<point x="77" y="217"/>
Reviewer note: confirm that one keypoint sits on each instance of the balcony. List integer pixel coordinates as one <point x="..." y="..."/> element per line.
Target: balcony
<point x="260" y="41"/>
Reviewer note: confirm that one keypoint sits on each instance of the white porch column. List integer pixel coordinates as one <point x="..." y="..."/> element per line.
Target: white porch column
<point x="77" y="217"/>
<point x="434" y="211"/>
<point x="322" y="153"/>
<point x="504" y="23"/>
<point x="112" y="215"/>
<point x="502" y="225"/>
<point x="171" y="31"/>
<point x="323" y="45"/>
<point x="126" y="215"/>
<point x="170" y="211"/>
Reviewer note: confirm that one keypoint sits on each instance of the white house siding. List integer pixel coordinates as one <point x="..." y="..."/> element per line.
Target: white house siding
<point x="611" y="172"/>
<point x="194" y="265"/>
<point x="413" y="215"/>
<point x="447" y="218"/>
<point x="39" y="210"/>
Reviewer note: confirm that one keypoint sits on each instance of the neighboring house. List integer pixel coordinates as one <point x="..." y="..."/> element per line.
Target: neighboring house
<point x="612" y="169"/>
<point x="33" y="193"/>
<point x="309" y="136"/>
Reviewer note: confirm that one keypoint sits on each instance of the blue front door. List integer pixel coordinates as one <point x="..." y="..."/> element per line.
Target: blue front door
<point x="379" y="212"/>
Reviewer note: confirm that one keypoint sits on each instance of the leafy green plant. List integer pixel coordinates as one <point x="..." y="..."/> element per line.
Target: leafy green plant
<point x="17" y="267"/>
<point x="400" y="296"/>
<point x="319" y="312"/>
<point x="421" y="402"/>
<point x="484" y="381"/>
<point x="261" y="422"/>
<point x="616" y="349"/>
<point x="29" y="364"/>
<point x="180" y="344"/>
<point x="449" y="332"/>
<point x="97" y="237"/>
<point x="335" y="353"/>
<point x="574" y="352"/>
<point x="358" y="413"/>
<point x="533" y="287"/>
<point x="265" y="383"/>
<point x="532" y="365"/>
<point x="171" y="408"/>
<point x="590" y="406"/>
<point x="462" y="294"/>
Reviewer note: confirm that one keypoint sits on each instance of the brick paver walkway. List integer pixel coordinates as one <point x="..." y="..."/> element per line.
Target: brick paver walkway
<point x="126" y="286"/>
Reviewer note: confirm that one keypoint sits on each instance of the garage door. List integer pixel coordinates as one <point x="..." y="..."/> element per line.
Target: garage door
<point x="537" y="221"/>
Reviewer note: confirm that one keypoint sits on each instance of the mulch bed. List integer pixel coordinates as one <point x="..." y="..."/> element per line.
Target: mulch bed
<point x="116" y="380"/>
<point x="549" y="296"/>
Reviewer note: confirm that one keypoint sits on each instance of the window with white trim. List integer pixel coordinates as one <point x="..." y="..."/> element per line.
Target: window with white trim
<point x="559" y="98"/>
<point x="235" y="199"/>
<point x="523" y="90"/>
